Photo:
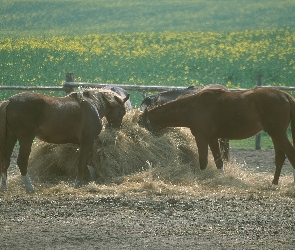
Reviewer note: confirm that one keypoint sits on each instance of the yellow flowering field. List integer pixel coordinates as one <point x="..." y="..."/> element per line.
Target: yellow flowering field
<point x="233" y="59"/>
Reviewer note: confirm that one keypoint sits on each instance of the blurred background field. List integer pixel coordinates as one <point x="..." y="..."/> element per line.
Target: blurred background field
<point x="82" y="17"/>
<point x="153" y="42"/>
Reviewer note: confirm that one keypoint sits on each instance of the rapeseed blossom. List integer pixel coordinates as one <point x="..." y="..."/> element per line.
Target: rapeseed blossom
<point x="169" y="58"/>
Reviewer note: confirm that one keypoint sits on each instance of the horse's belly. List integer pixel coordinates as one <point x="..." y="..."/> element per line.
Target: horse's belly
<point x="58" y="140"/>
<point x="58" y="137"/>
<point x="241" y="131"/>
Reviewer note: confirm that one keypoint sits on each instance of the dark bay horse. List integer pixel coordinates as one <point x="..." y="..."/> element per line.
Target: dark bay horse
<point x="166" y="96"/>
<point x="75" y="118"/>
<point x="216" y="113"/>
<point x="121" y="92"/>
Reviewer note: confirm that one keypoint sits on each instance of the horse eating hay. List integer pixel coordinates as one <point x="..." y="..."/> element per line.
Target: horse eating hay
<point x="121" y="92"/>
<point x="163" y="97"/>
<point x="215" y="113"/>
<point x="75" y="118"/>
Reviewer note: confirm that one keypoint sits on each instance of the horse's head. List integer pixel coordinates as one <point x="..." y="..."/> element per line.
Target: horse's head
<point x="122" y="93"/>
<point x="147" y="102"/>
<point x="116" y="111"/>
<point x="147" y="123"/>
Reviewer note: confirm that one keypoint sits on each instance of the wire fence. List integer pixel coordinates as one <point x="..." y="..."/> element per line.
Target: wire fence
<point x="70" y="85"/>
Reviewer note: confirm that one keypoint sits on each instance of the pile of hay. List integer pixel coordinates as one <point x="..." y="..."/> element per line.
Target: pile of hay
<point x="171" y="155"/>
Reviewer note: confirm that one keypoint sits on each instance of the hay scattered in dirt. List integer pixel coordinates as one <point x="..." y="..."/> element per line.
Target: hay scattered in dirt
<point x="133" y="161"/>
<point x="151" y="193"/>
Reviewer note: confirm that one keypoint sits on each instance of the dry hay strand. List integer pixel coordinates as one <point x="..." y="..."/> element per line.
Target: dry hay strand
<point x="120" y="153"/>
<point x="50" y="161"/>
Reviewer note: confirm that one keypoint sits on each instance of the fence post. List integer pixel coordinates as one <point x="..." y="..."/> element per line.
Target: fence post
<point x="69" y="78"/>
<point x="258" y="136"/>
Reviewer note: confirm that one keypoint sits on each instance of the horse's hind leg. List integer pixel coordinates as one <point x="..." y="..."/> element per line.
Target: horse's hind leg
<point x="279" y="161"/>
<point x="84" y="154"/>
<point x="214" y="146"/>
<point x="25" y="144"/>
<point x="283" y="146"/>
<point x="224" y="148"/>
<point x="10" y="142"/>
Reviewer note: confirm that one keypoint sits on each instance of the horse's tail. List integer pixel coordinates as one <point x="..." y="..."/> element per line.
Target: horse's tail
<point x="292" y="117"/>
<point x="3" y="106"/>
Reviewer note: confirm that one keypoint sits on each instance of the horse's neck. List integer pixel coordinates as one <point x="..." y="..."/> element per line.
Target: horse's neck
<point x="169" y="116"/>
<point x="100" y="103"/>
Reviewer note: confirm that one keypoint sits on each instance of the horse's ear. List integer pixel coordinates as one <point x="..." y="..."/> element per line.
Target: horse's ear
<point x="86" y="93"/>
<point x="111" y="98"/>
<point x="126" y="98"/>
<point x="118" y="99"/>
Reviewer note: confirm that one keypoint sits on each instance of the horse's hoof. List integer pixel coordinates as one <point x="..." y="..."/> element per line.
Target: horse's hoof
<point x="30" y="191"/>
<point x="28" y="184"/>
<point x="79" y="184"/>
<point x="3" y="188"/>
<point x="275" y="182"/>
<point x="29" y="188"/>
<point x="92" y="172"/>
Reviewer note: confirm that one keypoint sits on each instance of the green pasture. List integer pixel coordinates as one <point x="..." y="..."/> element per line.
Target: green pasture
<point x="27" y="18"/>
<point x="233" y="59"/>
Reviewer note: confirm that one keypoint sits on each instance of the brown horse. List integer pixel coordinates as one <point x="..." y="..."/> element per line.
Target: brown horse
<point x="213" y="114"/>
<point x="75" y="118"/>
<point x="163" y="97"/>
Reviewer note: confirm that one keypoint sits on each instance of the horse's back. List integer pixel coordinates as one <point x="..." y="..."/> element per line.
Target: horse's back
<point x="33" y="105"/>
<point x="51" y="119"/>
<point x="26" y="107"/>
<point x="239" y="114"/>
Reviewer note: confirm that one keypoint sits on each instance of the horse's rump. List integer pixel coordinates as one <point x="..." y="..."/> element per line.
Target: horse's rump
<point x="3" y="106"/>
<point x="292" y="116"/>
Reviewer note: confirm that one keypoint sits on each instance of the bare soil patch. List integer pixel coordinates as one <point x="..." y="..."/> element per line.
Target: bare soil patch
<point x="207" y="210"/>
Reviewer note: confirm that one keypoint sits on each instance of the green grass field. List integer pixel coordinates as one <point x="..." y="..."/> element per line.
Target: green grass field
<point x="153" y="42"/>
<point x="176" y="59"/>
<point x="27" y="18"/>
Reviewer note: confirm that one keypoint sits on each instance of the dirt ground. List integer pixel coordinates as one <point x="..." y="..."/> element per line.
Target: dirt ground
<point x="254" y="220"/>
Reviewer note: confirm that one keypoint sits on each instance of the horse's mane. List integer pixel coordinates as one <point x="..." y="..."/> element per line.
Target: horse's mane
<point x="98" y="96"/>
<point x="185" y="100"/>
<point x="110" y="96"/>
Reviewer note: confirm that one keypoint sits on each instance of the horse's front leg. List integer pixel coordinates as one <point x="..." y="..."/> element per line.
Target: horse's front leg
<point x="23" y="159"/>
<point x="3" y="180"/>
<point x="90" y="166"/>
<point x="84" y="155"/>
<point x="224" y="148"/>
<point x="202" y="144"/>
<point x="214" y="146"/>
